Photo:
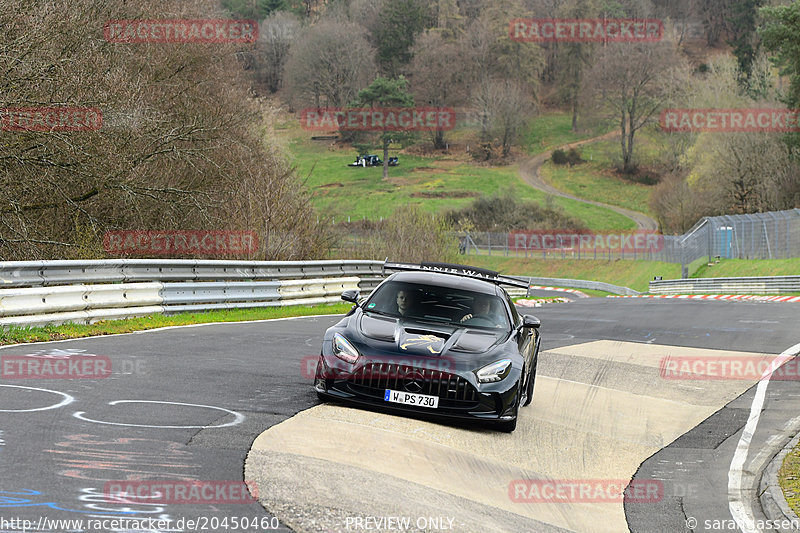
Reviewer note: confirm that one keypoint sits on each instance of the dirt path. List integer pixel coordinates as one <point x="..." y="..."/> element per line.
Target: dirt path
<point x="529" y="170"/>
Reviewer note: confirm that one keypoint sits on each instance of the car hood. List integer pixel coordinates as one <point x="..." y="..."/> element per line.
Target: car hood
<point x="415" y="337"/>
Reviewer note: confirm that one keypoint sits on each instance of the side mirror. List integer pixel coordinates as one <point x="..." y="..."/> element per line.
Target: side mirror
<point x="530" y="321"/>
<point x="350" y="296"/>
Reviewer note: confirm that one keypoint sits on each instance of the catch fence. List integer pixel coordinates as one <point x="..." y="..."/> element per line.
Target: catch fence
<point x="771" y="235"/>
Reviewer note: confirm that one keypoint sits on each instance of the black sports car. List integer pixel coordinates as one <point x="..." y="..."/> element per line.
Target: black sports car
<point x="439" y="339"/>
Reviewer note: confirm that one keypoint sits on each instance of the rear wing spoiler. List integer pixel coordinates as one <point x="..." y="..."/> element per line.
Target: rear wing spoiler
<point x="459" y="270"/>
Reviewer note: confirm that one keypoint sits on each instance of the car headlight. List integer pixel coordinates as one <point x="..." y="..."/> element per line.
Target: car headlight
<point x="493" y="372"/>
<point x="343" y="349"/>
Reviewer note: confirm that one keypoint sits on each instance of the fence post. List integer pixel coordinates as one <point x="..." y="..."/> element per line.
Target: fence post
<point x="766" y="237"/>
<point x="684" y="267"/>
<point x="787" y="238"/>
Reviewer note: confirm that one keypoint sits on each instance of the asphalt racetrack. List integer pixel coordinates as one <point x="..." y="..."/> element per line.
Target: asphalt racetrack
<point x="210" y="406"/>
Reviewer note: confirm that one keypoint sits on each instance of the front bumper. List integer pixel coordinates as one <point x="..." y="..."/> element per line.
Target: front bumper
<point x="460" y="396"/>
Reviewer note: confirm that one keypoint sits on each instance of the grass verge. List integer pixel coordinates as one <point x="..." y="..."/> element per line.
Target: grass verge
<point x="554" y="129"/>
<point x="594" y="181"/>
<point x="732" y="268"/>
<point x="629" y="273"/>
<point x="15" y="335"/>
<point x="789" y="479"/>
<point x="626" y="273"/>
<point x="598" y="294"/>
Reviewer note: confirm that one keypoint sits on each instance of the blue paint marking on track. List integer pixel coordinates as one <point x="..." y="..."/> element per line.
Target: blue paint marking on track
<point x="7" y="500"/>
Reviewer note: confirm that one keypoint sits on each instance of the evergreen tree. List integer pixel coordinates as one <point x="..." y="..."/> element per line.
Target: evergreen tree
<point x="386" y="92"/>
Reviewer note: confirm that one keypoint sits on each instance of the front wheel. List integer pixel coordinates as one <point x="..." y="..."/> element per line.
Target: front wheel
<point x="319" y="381"/>
<point x="529" y="388"/>
<point x="507" y="426"/>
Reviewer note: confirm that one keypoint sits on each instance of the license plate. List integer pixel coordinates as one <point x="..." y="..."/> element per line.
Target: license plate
<point x="411" y="398"/>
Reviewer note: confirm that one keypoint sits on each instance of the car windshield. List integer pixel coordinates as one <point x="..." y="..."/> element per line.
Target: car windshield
<point x="438" y="304"/>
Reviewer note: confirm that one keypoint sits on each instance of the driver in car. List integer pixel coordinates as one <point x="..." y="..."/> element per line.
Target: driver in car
<point x="481" y="309"/>
<point x="404" y="302"/>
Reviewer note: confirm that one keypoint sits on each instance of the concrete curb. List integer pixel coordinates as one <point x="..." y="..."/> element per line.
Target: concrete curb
<point x="770" y="493"/>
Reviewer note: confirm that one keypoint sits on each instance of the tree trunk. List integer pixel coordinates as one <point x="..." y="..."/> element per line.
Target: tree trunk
<point x="629" y="164"/>
<point x="575" y="111"/>
<point x="622" y="141"/>
<point x="385" y="158"/>
<point x="438" y="139"/>
<point x="627" y="144"/>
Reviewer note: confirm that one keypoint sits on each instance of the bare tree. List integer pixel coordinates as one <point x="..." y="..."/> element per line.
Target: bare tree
<point x="490" y="53"/>
<point x="477" y="44"/>
<point x="749" y="172"/>
<point x="275" y="35"/>
<point x="505" y="109"/>
<point x="716" y="16"/>
<point x="179" y="135"/>
<point x="367" y="13"/>
<point x="328" y="64"/>
<point x="630" y="82"/>
<point x="677" y="206"/>
<point x="436" y="76"/>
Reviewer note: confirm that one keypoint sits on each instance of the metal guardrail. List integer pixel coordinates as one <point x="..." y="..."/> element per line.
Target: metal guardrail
<point x="45" y="273"/>
<point x="578" y="284"/>
<point x="748" y="285"/>
<point x="54" y="292"/>
<point x="34" y="293"/>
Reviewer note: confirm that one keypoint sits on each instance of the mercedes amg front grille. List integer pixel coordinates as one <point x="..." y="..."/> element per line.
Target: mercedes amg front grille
<point x="373" y="379"/>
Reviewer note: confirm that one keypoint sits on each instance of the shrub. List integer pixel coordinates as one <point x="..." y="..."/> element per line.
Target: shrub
<point x="574" y="156"/>
<point x="409" y="235"/>
<point x="559" y="157"/>
<point x="506" y="212"/>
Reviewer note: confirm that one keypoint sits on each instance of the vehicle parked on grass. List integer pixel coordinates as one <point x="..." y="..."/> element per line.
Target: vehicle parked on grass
<point x="372" y="161"/>
<point x="367" y="161"/>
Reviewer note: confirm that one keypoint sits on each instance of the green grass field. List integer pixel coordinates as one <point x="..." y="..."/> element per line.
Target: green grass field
<point x="554" y="129"/>
<point x="595" y="179"/>
<point x="435" y="184"/>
